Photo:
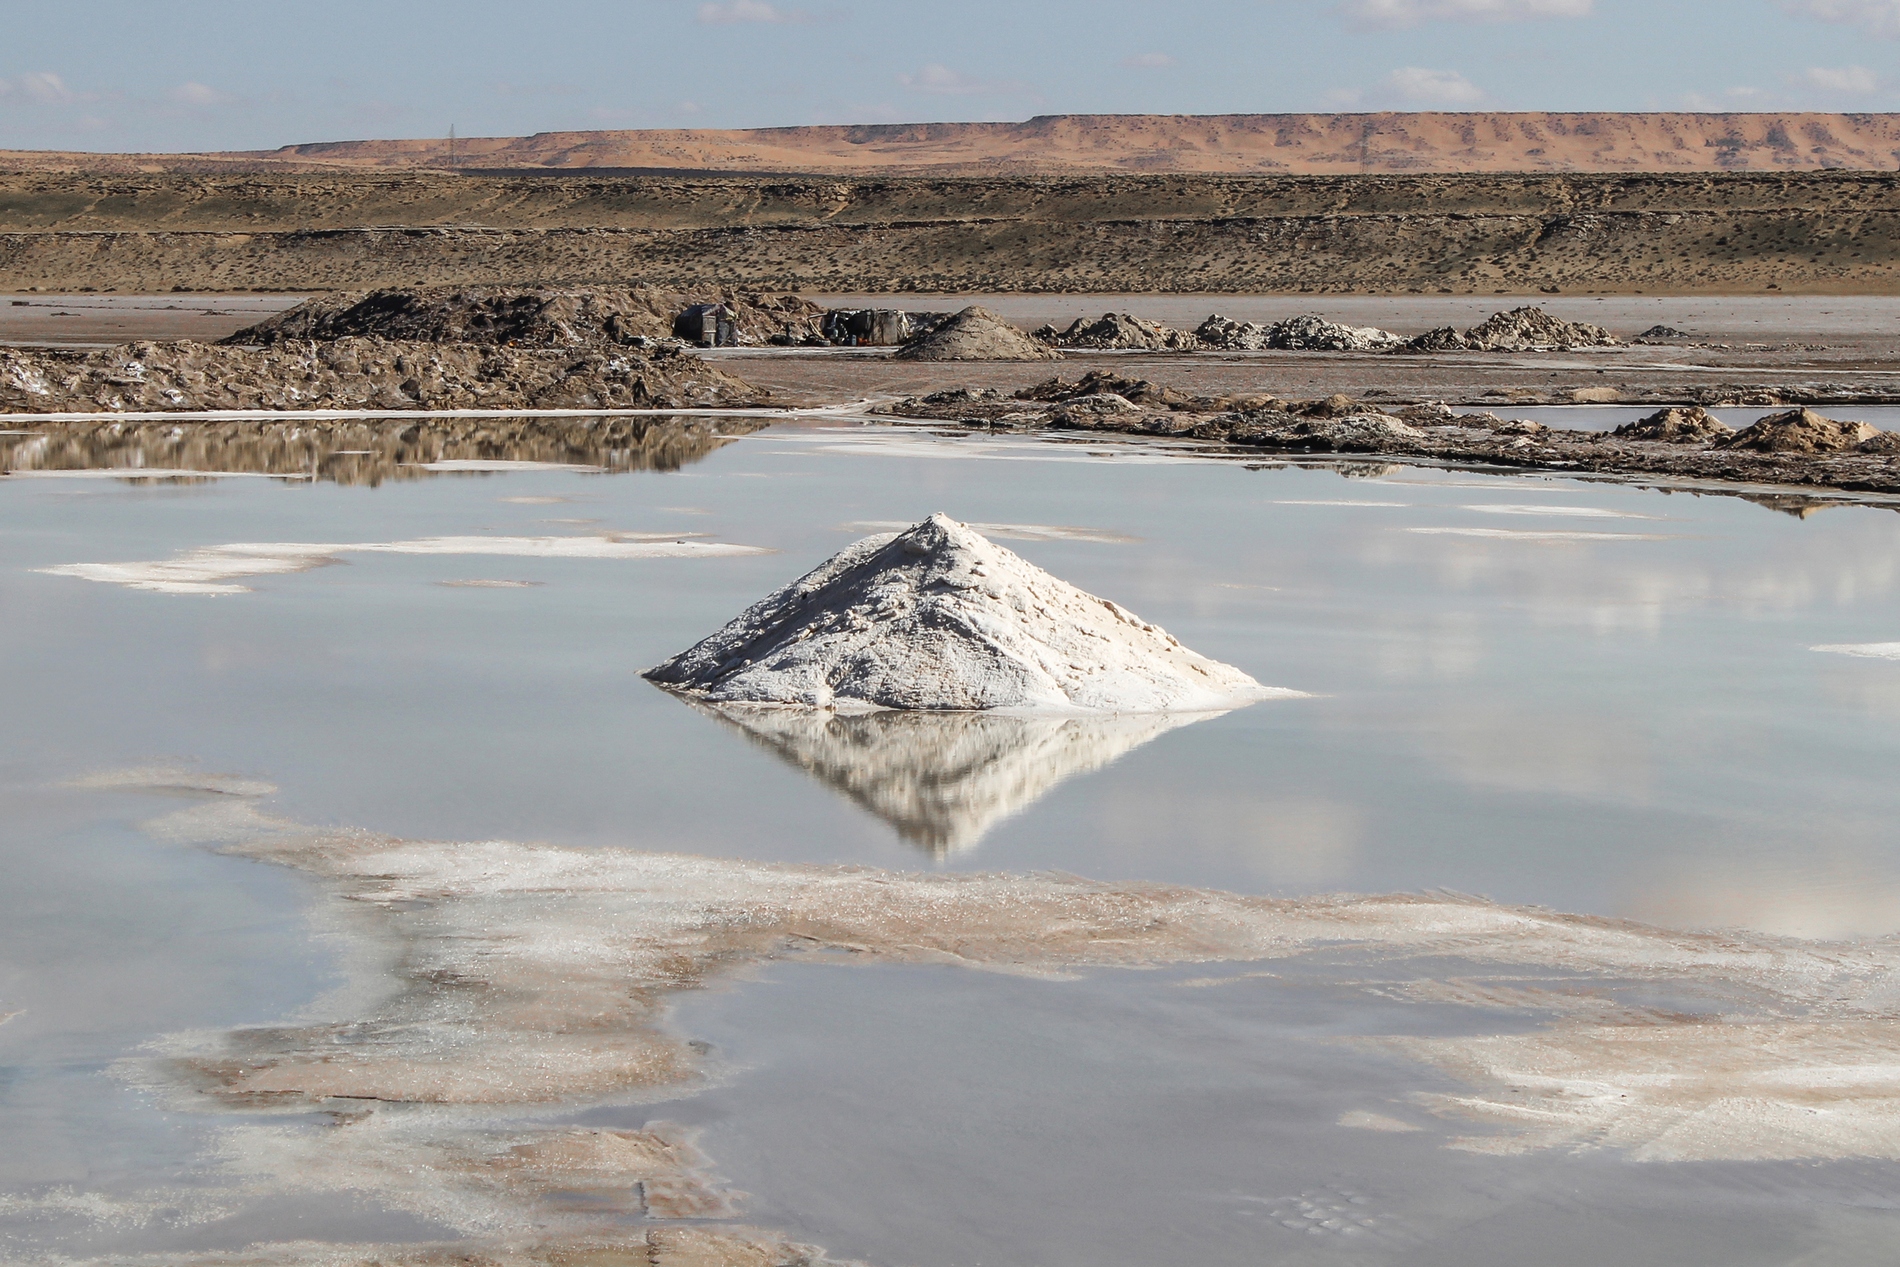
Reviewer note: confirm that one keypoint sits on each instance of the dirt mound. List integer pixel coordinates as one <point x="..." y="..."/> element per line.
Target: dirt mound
<point x="1800" y="431"/>
<point x="360" y="373"/>
<point x="1101" y="382"/>
<point x="977" y="334"/>
<point x="941" y="618"/>
<point x="530" y="317"/>
<point x="1118" y="331"/>
<point x="1693" y="425"/>
<point x="1528" y="329"/>
<point x="1295" y="334"/>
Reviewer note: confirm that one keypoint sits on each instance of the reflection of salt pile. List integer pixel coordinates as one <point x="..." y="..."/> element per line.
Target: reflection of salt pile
<point x="941" y="618"/>
<point x="944" y="779"/>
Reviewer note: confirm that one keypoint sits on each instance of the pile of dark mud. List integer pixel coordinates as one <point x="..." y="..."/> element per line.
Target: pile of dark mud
<point x="547" y="317"/>
<point x="368" y="451"/>
<point x="1519" y="330"/>
<point x="1295" y="334"/>
<point x="1795" y="447"/>
<point x="1119" y="332"/>
<point x="361" y="373"/>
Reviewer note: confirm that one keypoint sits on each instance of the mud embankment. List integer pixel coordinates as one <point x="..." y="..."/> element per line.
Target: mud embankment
<point x="1798" y="447"/>
<point x="1831" y="233"/>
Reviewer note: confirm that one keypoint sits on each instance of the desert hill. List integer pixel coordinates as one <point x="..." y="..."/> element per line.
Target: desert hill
<point x="1280" y="144"/>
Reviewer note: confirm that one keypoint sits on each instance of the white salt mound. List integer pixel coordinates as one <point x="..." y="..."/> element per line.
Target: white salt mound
<point x="940" y="617"/>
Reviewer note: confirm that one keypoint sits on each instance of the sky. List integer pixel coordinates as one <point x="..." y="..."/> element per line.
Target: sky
<point x="215" y="74"/>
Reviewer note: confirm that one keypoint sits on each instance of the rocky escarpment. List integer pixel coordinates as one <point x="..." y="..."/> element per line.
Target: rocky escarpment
<point x="1520" y="234"/>
<point x="1797" y="447"/>
<point x="360" y="373"/>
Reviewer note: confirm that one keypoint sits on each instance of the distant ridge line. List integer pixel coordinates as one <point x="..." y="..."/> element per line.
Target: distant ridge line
<point x="1422" y="143"/>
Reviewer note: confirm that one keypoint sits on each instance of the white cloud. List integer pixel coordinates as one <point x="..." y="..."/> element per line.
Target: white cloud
<point x="940" y="80"/>
<point x="1147" y="61"/>
<point x="1433" y="87"/>
<point x="1846" y="80"/>
<point x="199" y="96"/>
<point x="46" y="88"/>
<point x="1877" y="17"/>
<point x="1386" y="14"/>
<point x="733" y="12"/>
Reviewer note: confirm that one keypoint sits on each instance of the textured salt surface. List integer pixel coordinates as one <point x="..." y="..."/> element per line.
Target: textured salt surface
<point x="214" y="569"/>
<point x="522" y="977"/>
<point x="941" y="618"/>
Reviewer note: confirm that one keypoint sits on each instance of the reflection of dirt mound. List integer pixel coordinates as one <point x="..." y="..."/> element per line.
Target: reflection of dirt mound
<point x="359" y="373"/>
<point x="1800" y="431"/>
<point x="527" y="317"/>
<point x="944" y="779"/>
<point x="368" y="451"/>
<point x="977" y="334"/>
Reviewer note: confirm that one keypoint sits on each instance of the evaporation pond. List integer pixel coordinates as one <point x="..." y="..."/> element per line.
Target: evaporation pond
<point x="1618" y="702"/>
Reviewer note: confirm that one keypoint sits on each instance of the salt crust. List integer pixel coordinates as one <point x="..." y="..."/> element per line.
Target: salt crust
<point x="941" y="618"/>
<point x="524" y="977"/>
<point x="214" y="569"/>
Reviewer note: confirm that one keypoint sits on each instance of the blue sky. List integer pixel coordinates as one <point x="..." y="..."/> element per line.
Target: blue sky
<point x="216" y="74"/>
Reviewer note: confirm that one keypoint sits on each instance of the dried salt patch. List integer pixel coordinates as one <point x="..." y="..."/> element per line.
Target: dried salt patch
<point x="1515" y="534"/>
<point x="482" y="583"/>
<point x="1865" y="650"/>
<point x="1574" y="512"/>
<point x="214" y="570"/>
<point x="941" y="618"/>
<point x="1360" y="1120"/>
<point x="1008" y="532"/>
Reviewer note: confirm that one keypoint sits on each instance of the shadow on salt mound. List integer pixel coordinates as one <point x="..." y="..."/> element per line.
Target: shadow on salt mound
<point x="943" y="780"/>
<point x="940" y="618"/>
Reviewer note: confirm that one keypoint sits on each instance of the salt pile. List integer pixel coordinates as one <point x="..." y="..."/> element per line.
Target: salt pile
<point x="939" y="617"/>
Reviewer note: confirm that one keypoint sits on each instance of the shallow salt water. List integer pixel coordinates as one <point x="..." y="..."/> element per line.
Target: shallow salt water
<point x="1592" y="697"/>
